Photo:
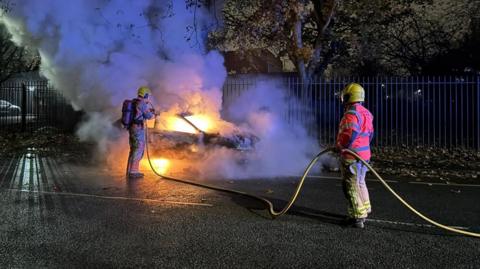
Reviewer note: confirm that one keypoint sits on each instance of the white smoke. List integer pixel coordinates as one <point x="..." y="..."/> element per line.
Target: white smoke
<point x="283" y="149"/>
<point x="98" y="52"/>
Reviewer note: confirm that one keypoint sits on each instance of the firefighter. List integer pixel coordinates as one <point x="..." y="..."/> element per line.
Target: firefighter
<point x="355" y="133"/>
<point x="141" y="112"/>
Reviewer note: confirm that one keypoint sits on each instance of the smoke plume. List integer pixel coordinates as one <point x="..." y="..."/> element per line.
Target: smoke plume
<point x="284" y="147"/>
<point x="98" y="52"/>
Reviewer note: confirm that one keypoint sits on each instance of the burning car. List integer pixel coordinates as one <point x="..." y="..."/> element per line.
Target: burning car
<point x="186" y="136"/>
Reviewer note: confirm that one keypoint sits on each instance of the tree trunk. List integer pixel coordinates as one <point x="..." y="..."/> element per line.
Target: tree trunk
<point x="324" y="12"/>
<point x="297" y="34"/>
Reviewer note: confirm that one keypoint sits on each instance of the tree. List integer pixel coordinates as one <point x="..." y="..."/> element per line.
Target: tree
<point x="399" y="37"/>
<point x="297" y="30"/>
<point x="5" y="6"/>
<point x="359" y="37"/>
<point x="15" y="59"/>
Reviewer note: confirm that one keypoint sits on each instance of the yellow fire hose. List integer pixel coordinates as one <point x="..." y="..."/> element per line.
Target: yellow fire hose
<point x="275" y="214"/>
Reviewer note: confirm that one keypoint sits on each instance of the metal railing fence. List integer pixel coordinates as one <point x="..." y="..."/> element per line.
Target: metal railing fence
<point x="437" y="111"/>
<point x="30" y="105"/>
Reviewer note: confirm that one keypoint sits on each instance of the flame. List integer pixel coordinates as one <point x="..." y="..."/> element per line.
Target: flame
<point x="202" y="122"/>
<point x="177" y="124"/>
<point x="161" y="165"/>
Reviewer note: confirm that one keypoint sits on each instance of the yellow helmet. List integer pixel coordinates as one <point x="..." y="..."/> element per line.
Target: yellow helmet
<point x="352" y="93"/>
<point x="143" y="91"/>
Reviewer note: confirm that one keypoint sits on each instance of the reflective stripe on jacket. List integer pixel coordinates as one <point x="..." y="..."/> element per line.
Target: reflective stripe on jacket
<point x="355" y="131"/>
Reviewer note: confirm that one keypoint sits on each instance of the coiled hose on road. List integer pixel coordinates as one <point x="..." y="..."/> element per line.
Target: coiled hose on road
<point x="294" y="197"/>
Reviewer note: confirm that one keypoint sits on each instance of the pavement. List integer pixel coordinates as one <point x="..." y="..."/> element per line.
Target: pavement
<point x="58" y="214"/>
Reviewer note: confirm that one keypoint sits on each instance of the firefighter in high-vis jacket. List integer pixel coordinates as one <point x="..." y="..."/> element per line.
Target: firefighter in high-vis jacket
<point x="355" y="133"/>
<point x="136" y="130"/>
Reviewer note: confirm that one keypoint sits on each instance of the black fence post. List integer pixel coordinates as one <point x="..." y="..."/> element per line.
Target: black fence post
<point x="24" y="107"/>
<point x="478" y="112"/>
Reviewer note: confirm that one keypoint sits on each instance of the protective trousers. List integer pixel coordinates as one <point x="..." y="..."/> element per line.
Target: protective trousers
<point x="355" y="188"/>
<point x="137" y="147"/>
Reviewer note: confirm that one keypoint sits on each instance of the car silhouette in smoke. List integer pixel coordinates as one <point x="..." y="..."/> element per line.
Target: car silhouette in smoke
<point x="187" y="145"/>
<point x="7" y="108"/>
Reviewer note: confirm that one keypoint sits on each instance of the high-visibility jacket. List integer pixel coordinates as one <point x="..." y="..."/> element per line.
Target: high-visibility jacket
<point x="355" y="131"/>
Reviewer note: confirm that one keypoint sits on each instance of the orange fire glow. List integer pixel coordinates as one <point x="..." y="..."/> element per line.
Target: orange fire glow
<point x="161" y="165"/>
<point x="173" y="122"/>
<point x="202" y="122"/>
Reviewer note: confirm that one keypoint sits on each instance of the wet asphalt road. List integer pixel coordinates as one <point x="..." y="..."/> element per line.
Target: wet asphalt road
<point x="62" y="215"/>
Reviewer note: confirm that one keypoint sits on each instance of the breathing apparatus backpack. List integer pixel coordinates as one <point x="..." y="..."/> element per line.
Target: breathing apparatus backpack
<point x="128" y="112"/>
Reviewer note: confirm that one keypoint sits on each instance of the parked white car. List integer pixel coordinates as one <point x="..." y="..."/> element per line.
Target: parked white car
<point x="7" y="108"/>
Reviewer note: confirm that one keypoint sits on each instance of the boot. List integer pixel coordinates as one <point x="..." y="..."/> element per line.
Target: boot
<point x="355" y="223"/>
<point x="359" y="223"/>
